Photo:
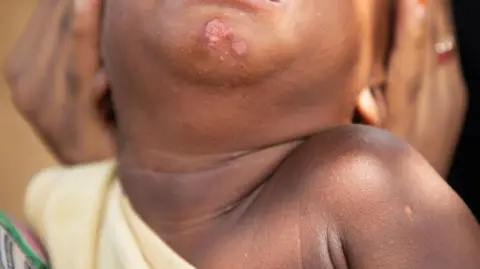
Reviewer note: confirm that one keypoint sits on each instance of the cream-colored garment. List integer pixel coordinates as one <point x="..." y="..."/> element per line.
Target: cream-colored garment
<point x="85" y="222"/>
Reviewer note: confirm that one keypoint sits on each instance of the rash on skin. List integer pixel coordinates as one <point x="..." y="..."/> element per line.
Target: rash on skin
<point x="218" y="32"/>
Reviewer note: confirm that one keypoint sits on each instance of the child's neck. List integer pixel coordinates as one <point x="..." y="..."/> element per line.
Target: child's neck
<point x="177" y="193"/>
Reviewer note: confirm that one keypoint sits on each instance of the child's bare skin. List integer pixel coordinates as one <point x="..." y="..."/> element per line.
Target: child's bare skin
<point x="414" y="98"/>
<point x="230" y="145"/>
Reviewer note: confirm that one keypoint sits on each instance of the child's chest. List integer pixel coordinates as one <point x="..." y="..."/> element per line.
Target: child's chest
<point x="277" y="239"/>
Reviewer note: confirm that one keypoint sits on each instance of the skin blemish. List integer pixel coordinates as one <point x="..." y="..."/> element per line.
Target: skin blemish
<point x="218" y="34"/>
<point x="240" y="47"/>
<point x="409" y="212"/>
<point x="216" y="30"/>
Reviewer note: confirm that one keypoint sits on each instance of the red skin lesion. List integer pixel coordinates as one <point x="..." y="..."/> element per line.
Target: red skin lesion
<point x="217" y="33"/>
<point x="240" y="47"/>
<point x="216" y="30"/>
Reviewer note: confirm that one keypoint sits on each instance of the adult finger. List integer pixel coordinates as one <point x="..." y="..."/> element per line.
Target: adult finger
<point x="86" y="31"/>
<point x="406" y="63"/>
<point x="41" y="22"/>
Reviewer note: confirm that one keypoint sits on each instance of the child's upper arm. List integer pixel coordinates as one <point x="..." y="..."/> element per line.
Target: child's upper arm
<point x="390" y="208"/>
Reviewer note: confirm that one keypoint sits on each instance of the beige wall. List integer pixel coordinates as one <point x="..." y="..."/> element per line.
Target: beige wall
<point x="21" y="154"/>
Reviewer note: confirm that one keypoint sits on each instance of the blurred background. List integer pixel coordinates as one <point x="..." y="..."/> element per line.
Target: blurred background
<point x="22" y="154"/>
<point x="465" y="172"/>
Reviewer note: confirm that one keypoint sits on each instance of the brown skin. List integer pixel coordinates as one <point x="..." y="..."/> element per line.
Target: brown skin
<point x="242" y="161"/>
<point x="425" y="100"/>
<point x="226" y="96"/>
<point x="351" y="211"/>
<point x="56" y="86"/>
<point x="359" y="198"/>
<point x="70" y="116"/>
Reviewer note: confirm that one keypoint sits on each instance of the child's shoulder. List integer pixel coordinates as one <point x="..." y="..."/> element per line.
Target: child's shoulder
<point x="383" y="198"/>
<point x="361" y="165"/>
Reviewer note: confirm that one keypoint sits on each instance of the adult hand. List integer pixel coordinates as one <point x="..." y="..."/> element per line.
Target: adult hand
<point x="425" y="98"/>
<point x="56" y="81"/>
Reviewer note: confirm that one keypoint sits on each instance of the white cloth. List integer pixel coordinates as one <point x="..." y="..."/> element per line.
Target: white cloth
<point x="85" y="222"/>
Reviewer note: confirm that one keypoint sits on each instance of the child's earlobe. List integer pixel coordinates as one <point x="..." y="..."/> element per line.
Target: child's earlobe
<point x="370" y="107"/>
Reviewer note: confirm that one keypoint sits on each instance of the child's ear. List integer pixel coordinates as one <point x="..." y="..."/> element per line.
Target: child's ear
<point x="367" y="109"/>
<point x="371" y="102"/>
<point x="371" y="107"/>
